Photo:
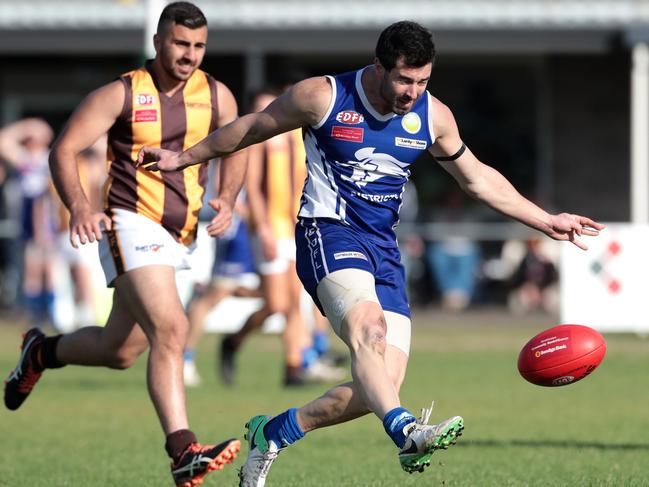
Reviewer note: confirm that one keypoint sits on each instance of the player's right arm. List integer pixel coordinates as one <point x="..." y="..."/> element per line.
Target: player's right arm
<point x="92" y="118"/>
<point x="305" y="103"/>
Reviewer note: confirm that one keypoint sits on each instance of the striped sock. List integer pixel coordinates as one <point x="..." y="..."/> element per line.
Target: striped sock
<point x="395" y="422"/>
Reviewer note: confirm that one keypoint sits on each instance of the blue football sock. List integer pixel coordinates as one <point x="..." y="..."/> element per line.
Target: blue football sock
<point x="189" y="354"/>
<point x="34" y="304"/>
<point x="395" y="421"/>
<point x="309" y="355"/>
<point x="321" y="342"/>
<point x="283" y="429"/>
<point x="49" y="299"/>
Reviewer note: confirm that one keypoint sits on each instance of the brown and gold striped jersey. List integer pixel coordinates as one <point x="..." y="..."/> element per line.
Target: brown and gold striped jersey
<point x="151" y="118"/>
<point x="284" y="171"/>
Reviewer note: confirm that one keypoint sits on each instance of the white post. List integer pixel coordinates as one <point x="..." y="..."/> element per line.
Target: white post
<point x="153" y="11"/>
<point x="640" y="134"/>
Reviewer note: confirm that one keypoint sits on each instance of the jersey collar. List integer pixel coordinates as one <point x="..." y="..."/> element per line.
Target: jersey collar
<point x="366" y="103"/>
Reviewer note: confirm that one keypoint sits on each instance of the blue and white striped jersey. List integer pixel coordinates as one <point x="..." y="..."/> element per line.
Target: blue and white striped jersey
<point x="358" y="160"/>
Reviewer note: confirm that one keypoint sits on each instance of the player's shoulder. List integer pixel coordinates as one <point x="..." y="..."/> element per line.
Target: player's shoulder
<point x="442" y="114"/>
<point x="312" y="93"/>
<point x="437" y="104"/>
<point x="112" y="91"/>
<point x="314" y="86"/>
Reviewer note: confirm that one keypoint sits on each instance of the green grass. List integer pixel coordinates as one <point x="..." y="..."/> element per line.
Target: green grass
<point x="94" y="427"/>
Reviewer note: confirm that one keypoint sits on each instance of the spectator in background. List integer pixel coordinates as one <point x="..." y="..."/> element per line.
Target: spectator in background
<point x="25" y="146"/>
<point x="411" y="243"/>
<point x="454" y="260"/>
<point x="534" y="281"/>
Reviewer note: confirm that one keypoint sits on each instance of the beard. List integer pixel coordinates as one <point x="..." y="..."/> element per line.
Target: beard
<point x="391" y="99"/>
<point x="171" y="69"/>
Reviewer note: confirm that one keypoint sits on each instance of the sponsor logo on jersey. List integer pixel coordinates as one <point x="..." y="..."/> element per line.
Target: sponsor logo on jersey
<point x="197" y="105"/>
<point x="144" y="99"/>
<point x="372" y="166"/>
<point x="145" y="116"/>
<point x="351" y="134"/>
<point x="349" y="255"/>
<point x="411" y="123"/>
<point x="349" y="117"/>
<point x="148" y="248"/>
<point x="410" y="143"/>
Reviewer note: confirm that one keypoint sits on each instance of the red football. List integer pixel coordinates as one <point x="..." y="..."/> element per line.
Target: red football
<point x="561" y="355"/>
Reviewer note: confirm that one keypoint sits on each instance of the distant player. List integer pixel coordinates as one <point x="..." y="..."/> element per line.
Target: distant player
<point x="25" y="145"/>
<point x="362" y="132"/>
<point x="233" y="274"/>
<point x="276" y="174"/>
<point x="147" y="229"/>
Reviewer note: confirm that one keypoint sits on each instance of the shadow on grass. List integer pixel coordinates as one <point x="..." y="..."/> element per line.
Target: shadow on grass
<point x="554" y="444"/>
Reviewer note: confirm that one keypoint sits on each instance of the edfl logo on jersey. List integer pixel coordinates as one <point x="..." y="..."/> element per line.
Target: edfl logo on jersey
<point x="143" y="99"/>
<point x="350" y="117"/>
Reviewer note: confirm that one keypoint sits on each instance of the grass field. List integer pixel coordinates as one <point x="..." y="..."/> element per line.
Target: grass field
<point x="94" y="427"/>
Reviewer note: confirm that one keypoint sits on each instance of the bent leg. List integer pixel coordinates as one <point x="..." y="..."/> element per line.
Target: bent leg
<point x="346" y="402"/>
<point x="150" y="295"/>
<point x="116" y="345"/>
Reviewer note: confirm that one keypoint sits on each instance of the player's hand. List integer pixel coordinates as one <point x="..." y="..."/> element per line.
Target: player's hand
<point x="154" y="159"/>
<point x="85" y="226"/>
<point x="223" y="219"/>
<point x="566" y="226"/>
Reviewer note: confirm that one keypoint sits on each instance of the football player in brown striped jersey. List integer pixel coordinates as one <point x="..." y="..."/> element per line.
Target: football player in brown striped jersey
<point x="146" y="229"/>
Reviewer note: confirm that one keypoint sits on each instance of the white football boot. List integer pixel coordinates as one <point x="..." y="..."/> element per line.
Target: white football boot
<point x="261" y="454"/>
<point x="423" y="439"/>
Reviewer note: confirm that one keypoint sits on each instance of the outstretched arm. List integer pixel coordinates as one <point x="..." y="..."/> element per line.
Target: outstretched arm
<point x="486" y="184"/>
<point x="304" y="104"/>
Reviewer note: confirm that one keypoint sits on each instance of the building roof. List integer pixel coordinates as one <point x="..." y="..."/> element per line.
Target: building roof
<point x="339" y="14"/>
<point x="70" y="24"/>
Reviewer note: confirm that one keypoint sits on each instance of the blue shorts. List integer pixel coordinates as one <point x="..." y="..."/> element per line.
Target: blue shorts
<point x="325" y="246"/>
<point x="234" y="255"/>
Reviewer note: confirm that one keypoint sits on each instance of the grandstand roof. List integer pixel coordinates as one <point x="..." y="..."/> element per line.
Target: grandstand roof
<point x="270" y="20"/>
<point x="340" y="14"/>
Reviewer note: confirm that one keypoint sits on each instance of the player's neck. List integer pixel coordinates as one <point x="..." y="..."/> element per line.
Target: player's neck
<point x="166" y="84"/>
<point x="372" y="87"/>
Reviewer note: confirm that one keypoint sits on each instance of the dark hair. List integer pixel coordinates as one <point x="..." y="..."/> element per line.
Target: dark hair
<point x="407" y="39"/>
<point x="182" y="13"/>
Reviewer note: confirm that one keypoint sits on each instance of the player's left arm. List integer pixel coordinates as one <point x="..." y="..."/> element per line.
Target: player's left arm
<point x="489" y="186"/>
<point x="232" y="170"/>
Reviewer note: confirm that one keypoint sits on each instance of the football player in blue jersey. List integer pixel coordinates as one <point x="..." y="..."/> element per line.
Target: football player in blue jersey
<point x="362" y="131"/>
